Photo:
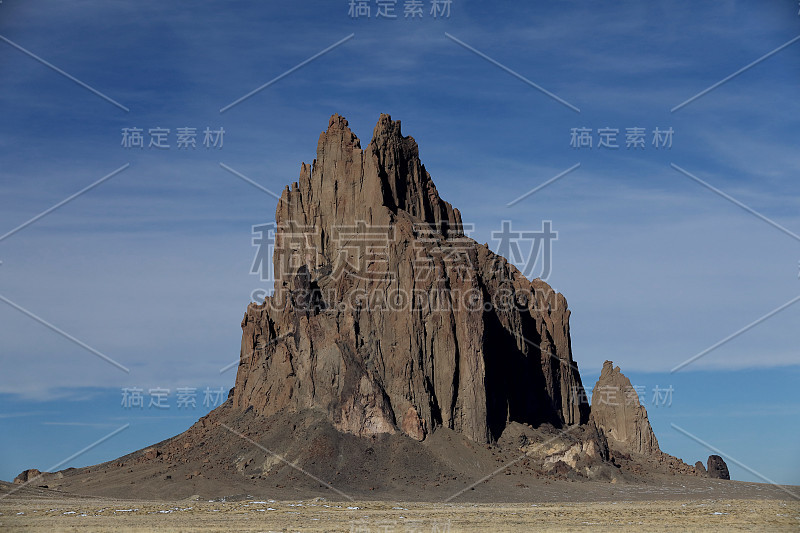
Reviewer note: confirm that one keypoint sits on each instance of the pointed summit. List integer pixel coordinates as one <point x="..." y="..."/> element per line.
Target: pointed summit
<point x="617" y="411"/>
<point x="407" y="185"/>
<point x="346" y="185"/>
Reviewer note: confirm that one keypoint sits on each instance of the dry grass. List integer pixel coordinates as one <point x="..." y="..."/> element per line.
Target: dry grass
<point x="101" y="515"/>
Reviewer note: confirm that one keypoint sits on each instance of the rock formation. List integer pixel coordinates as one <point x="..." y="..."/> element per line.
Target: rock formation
<point x="26" y="476"/>
<point x="717" y="469"/>
<point x="700" y="468"/>
<point x="617" y="411"/>
<point x="388" y="318"/>
<point x="396" y="356"/>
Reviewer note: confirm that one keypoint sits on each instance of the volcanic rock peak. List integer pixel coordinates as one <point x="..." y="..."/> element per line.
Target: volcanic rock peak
<point x="474" y="348"/>
<point x="468" y="343"/>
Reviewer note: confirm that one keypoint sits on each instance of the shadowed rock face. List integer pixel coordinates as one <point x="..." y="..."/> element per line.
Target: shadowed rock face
<point x="388" y="318"/>
<point x="717" y="469"/>
<point x="617" y="411"/>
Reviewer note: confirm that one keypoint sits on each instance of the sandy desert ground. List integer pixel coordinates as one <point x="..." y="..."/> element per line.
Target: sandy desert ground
<point x="29" y="511"/>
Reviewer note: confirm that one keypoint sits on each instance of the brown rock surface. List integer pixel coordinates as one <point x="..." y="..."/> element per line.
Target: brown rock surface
<point x="27" y="475"/>
<point x="717" y="469"/>
<point x="617" y="411"/>
<point x="700" y="468"/>
<point x="431" y="330"/>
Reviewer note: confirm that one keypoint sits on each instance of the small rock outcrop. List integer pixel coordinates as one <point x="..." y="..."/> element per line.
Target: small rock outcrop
<point x="700" y="468"/>
<point x="717" y="469"/>
<point x="388" y="318"/>
<point x="617" y="411"/>
<point x="580" y="451"/>
<point x="26" y="476"/>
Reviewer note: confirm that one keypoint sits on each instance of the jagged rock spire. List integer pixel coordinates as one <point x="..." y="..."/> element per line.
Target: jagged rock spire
<point x="617" y="411"/>
<point x="411" y="324"/>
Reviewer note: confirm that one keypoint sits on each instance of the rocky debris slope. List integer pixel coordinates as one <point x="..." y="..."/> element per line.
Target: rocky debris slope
<point x="578" y="452"/>
<point x="387" y="318"/>
<point x="296" y="455"/>
<point x="617" y="411"/>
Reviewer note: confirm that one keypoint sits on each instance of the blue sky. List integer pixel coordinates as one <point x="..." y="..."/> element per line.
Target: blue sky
<point x="152" y="266"/>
